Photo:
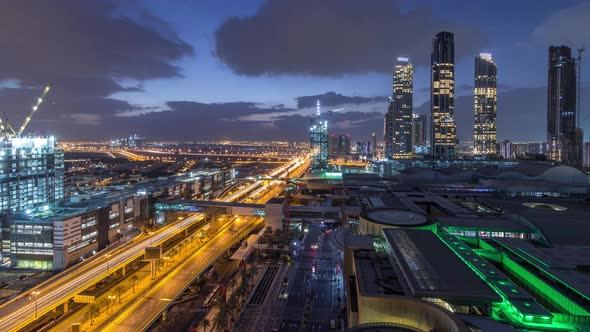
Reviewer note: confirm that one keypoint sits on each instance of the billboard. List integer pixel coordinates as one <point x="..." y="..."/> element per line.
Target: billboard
<point x="153" y="253"/>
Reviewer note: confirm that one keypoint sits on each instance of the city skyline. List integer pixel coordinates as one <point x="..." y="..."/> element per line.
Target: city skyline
<point x="108" y="98"/>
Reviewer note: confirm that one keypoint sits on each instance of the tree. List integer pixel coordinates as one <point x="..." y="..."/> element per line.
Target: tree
<point x="231" y="283"/>
<point x="205" y="323"/>
<point x="221" y="318"/>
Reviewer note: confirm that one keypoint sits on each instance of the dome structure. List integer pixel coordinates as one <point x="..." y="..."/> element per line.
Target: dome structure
<point x="564" y="175"/>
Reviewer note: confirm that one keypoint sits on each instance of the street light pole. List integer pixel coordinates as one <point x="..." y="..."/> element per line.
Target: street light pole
<point x="109" y="304"/>
<point x="108" y="256"/>
<point x="36" y="296"/>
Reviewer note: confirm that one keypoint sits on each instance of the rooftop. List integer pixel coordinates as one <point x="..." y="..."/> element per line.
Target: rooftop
<point x="396" y="217"/>
<point x="433" y="270"/>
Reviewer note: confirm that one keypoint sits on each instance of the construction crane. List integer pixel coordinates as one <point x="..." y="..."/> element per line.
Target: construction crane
<point x="39" y="101"/>
<point x="6" y="129"/>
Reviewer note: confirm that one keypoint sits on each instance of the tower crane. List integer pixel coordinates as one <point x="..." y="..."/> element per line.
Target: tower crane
<point x="6" y="129"/>
<point x="39" y="101"/>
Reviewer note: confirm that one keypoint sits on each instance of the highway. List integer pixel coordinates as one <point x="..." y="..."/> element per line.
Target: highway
<point x="20" y="311"/>
<point x="144" y="310"/>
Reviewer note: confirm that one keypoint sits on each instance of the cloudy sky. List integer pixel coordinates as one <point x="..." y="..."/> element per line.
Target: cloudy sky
<point x="252" y="69"/>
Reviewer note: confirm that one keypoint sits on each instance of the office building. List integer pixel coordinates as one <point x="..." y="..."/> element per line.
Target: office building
<point x="564" y="138"/>
<point x="443" y="129"/>
<point x="32" y="173"/>
<point x="318" y="140"/>
<point x="485" y="103"/>
<point x="400" y="119"/>
<point x="418" y="129"/>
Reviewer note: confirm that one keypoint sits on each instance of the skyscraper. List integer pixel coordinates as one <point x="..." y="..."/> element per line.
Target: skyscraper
<point x="564" y="139"/>
<point x="418" y="129"/>
<point x="443" y="129"/>
<point x="398" y="120"/>
<point x="484" y="104"/>
<point x="318" y="141"/>
<point x="389" y="135"/>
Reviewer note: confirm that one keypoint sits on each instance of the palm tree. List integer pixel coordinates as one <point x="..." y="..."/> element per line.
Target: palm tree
<point x="205" y="323"/>
<point x="231" y="283"/>
<point x="221" y="318"/>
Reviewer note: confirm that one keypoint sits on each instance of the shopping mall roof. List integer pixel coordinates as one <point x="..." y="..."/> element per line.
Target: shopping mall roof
<point x="431" y="269"/>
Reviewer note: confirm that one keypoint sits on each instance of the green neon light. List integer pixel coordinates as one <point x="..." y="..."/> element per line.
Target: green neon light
<point x="514" y="315"/>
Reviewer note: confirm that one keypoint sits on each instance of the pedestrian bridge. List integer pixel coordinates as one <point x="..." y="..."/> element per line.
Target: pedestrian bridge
<point x="233" y="208"/>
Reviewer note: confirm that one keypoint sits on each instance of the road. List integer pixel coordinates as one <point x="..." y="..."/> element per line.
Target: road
<point x="23" y="309"/>
<point x="144" y="310"/>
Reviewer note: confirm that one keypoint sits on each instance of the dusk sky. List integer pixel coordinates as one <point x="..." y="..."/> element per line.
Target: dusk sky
<point x="252" y="69"/>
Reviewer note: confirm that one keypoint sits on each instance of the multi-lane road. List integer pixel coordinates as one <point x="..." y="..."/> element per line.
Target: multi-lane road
<point x="144" y="310"/>
<point x="23" y="309"/>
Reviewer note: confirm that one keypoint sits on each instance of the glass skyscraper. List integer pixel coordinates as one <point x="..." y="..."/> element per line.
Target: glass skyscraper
<point x="564" y="138"/>
<point x="484" y="104"/>
<point x="443" y="128"/>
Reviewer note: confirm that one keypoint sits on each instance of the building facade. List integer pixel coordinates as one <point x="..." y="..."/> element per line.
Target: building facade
<point x="418" y="129"/>
<point x="485" y="104"/>
<point x="32" y="173"/>
<point x="443" y="131"/>
<point x="564" y="138"/>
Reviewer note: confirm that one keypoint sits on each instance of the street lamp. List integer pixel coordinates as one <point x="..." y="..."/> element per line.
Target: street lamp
<point x="108" y="256"/>
<point x="36" y="296"/>
<point x="166" y="258"/>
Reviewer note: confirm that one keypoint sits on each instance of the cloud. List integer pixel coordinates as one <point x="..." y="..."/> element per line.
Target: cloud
<point x="566" y="26"/>
<point x="85" y="48"/>
<point x="333" y="99"/>
<point x="333" y="37"/>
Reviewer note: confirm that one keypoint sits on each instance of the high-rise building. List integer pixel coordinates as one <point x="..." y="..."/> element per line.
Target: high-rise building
<point x="389" y="134"/>
<point x="402" y="106"/>
<point x="31" y="173"/>
<point x="418" y="129"/>
<point x="564" y="138"/>
<point x="318" y="141"/>
<point x="484" y="103"/>
<point x="443" y="129"/>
